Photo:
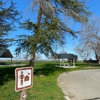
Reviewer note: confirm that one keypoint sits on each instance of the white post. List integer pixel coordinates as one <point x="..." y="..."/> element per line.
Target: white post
<point x="73" y="62"/>
<point x="60" y="62"/>
<point x="11" y="60"/>
<point x="23" y="95"/>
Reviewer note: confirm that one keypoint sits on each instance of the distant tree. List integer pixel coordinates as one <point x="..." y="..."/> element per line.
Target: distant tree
<point x="90" y="37"/>
<point x="37" y="57"/>
<point x="83" y="52"/>
<point x="63" y="50"/>
<point x="49" y="28"/>
<point x="76" y="58"/>
<point x="8" y="16"/>
<point x="96" y="50"/>
<point x="26" y="57"/>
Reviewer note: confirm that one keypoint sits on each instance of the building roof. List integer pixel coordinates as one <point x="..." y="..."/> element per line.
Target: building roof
<point x="2" y="49"/>
<point x="4" y="52"/>
<point x="66" y="56"/>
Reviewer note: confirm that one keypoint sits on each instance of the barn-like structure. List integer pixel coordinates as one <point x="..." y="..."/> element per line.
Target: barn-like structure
<point x="5" y="53"/>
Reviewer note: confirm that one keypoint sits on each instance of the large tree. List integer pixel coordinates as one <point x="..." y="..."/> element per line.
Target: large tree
<point x="90" y="37"/>
<point x="8" y="16"/>
<point x="49" y="28"/>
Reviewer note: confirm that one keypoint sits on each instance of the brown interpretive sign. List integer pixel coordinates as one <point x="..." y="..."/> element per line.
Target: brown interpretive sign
<point x="23" y="78"/>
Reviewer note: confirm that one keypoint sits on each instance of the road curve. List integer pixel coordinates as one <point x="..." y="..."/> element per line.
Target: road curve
<point x="80" y="85"/>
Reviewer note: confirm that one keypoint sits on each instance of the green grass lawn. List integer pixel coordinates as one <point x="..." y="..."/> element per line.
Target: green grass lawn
<point x="44" y="82"/>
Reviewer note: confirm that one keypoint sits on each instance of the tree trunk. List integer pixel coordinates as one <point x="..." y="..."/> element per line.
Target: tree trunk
<point x="32" y="58"/>
<point x="31" y="63"/>
<point x="96" y="56"/>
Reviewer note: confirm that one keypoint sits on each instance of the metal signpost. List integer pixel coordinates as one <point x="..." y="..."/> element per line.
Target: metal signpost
<point x="23" y="80"/>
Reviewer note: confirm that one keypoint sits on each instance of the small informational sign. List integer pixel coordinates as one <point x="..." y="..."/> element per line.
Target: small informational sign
<point x="23" y="78"/>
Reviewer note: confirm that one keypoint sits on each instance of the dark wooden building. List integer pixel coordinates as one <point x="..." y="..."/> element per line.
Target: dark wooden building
<point x="5" y="53"/>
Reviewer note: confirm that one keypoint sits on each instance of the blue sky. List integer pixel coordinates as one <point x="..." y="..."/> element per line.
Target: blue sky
<point x="22" y="5"/>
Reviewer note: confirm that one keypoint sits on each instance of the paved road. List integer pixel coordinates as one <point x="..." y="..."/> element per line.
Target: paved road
<point x="80" y="85"/>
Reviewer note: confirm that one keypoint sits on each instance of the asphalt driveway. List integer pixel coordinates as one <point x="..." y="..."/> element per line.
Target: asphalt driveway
<point x="80" y="85"/>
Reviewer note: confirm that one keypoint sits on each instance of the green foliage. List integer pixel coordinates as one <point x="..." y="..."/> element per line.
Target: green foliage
<point x="8" y="16"/>
<point x="49" y="29"/>
<point x="28" y="25"/>
<point x="23" y="44"/>
<point x="44" y="37"/>
<point x="76" y="9"/>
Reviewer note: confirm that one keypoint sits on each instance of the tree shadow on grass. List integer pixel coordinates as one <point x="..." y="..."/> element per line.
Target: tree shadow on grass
<point x="48" y="69"/>
<point x="7" y="74"/>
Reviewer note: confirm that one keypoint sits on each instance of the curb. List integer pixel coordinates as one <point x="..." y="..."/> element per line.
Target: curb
<point x="67" y="98"/>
